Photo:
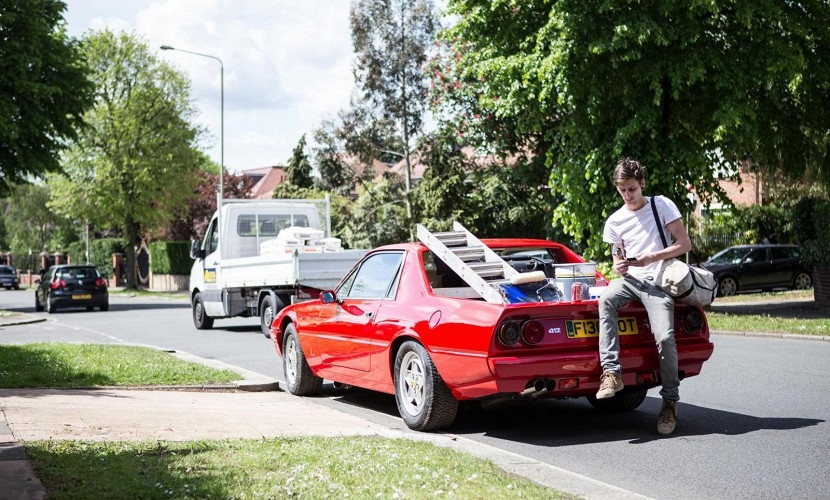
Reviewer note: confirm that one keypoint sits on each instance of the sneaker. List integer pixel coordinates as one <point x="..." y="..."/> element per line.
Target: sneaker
<point x="609" y="384"/>
<point x="668" y="418"/>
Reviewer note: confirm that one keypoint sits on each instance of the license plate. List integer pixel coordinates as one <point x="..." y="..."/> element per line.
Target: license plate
<point x="82" y="297"/>
<point x="585" y="328"/>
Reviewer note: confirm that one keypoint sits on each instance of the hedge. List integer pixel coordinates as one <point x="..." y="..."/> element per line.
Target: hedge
<point x="813" y="231"/>
<point x="170" y="257"/>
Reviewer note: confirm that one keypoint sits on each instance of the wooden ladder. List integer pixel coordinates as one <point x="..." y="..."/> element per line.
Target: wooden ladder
<point x="470" y="259"/>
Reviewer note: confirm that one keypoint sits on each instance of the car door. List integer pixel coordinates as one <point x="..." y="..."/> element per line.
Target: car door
<point x="756" y="271"/>
<point x="45" y="285"/>
<point x="784" y="265"/>
<point x="212" y="271"/>
<point x="346" y="329"/>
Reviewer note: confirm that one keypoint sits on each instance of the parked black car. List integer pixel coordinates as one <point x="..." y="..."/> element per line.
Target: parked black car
<point x="8" y="278"/>
<point x="71" y="286"/>
<point x="745" y="268"/>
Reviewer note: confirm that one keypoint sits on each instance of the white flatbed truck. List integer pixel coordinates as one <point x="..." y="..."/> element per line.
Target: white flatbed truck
<point x="264" y="255"/>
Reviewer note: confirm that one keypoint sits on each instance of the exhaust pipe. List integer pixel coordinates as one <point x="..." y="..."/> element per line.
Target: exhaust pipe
<point x="538" y="387"/>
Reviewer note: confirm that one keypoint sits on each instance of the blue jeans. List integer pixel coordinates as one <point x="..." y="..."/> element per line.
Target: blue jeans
<point x="660" y="309"/>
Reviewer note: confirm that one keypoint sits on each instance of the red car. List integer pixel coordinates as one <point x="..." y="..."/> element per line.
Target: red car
<point x="398" y="325"/>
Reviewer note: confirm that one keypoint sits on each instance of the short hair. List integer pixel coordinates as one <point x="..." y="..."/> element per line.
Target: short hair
<point x="629" y="168"/>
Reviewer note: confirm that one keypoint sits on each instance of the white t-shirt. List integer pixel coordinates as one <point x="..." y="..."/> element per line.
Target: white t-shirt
<point x="636" y="232"/>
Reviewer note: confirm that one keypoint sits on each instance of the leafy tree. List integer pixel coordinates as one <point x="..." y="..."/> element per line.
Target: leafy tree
<point x="299" y="168"/>
<point x="689" y="88"/>
<point x="44" y="90"/>
<point x="136" y="164"/>
<point x="391" y="39"/>
<point x="377" y="217"/>
<point x="33" y="227"/>
<point x="335" y="173"/>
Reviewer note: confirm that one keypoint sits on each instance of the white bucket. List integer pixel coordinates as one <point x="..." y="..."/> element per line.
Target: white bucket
<point x="568" y="274"/>
<point x="595" y="291"/>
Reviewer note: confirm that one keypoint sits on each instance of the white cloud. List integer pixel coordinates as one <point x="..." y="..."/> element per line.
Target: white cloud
<point x="287" y="64"/>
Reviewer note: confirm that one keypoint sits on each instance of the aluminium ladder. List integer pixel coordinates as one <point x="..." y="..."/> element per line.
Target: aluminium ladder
<point x="470" y="259"/>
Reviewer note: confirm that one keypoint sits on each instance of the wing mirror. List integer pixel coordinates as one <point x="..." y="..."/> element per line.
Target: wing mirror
<point x="196" y="251"/>
<point x="328" y="297"/>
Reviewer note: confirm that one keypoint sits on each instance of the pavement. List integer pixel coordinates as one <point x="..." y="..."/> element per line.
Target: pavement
<point x="252" y="407"/>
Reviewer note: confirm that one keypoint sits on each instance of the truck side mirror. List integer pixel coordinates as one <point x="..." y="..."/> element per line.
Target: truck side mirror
<point x="196" y="251"/>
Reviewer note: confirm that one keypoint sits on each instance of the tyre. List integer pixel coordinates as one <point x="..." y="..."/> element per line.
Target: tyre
<point x="50" y="307"/>
<point x="89" y="308"/>
<point x="38" y="307"/>
<point x="299" y="378"/>
<point x="200" y="318"/>
<point x="105" y="306"/>
<point x="267" y="310"/>
<point x="620" y="402"/>
<point x="424" y="401"/>
<point x="802" y="281"/>
<point x="727" y="286"/>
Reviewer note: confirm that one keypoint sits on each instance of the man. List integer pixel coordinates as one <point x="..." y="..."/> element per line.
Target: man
<point x="638" y="251"/>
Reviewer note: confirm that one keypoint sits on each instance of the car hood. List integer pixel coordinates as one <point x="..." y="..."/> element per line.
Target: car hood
<point x="716" y="268"/>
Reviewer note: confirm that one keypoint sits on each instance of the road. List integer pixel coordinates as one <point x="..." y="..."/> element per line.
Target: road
<point x="754" y="424"/>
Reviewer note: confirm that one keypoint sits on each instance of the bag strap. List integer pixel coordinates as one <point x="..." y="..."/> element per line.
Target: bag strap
<point x="660" y="229"/>
<point x="657" y="220"/>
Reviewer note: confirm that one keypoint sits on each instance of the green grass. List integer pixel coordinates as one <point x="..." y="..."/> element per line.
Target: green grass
<point x="88" y="365"/>
<point x="768" y="324"/>
<point x="308" y="467"/>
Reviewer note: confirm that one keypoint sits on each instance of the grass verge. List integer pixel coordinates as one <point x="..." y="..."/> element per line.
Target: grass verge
<point x="88" y="365"/>
<point x="308" y="467"/>
<point x="768" y="324"/>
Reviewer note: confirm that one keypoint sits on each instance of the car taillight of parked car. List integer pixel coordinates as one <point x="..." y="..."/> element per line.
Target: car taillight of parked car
<point x="58" y="285"/>
<point x="101" y="283"/>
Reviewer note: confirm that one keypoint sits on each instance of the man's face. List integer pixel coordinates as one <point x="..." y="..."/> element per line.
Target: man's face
<point x="631" y="191"/>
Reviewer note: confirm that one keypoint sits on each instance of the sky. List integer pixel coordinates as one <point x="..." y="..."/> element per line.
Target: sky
<point x="287" y="65"/>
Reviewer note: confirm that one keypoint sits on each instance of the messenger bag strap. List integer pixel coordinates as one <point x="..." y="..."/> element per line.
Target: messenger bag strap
<point x="657" y="220"/>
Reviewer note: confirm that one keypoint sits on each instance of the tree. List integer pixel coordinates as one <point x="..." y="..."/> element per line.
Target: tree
<point x="136" y="165"/>
<point x="391" y="39"/>
<point x="376" y="217"/>
<point x="32" y="227"/>
<point x="298" y="169"/>
<point x="44" y="90"/>
<point x="689" y="88"/>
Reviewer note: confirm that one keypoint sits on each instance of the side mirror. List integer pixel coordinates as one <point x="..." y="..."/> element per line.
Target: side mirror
<point x="328" y="297"/>
<point x="196" y="251"/>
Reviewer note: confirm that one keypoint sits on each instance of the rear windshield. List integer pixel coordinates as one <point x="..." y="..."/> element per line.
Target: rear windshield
<point x="79" y="273"/>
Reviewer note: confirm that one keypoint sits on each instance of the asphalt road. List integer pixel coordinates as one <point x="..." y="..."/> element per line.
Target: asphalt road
<point x="754" y="424"/>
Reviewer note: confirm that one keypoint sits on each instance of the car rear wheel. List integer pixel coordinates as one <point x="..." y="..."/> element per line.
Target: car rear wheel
<point x="267" y="310"/>
<point x="38" y="306"/>
<point x="802" y="281"/>
<point x="50" y="307"/>
<point x="200" y="318"/>
<point x="299" y="378"/>
<point x="727" y="286"/>
<point x="105" y="306"/>
<point x="620" y="402"/>
<point x="424" y="401"/>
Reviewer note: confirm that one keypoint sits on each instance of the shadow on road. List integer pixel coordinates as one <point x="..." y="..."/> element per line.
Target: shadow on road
<point x="573" y="422"/>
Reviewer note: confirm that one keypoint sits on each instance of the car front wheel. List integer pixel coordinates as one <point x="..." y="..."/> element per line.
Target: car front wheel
<point x="38" y="306"/>
<point x="727" y="286"/>
<point x="424" y="401"/>
<point x="802" y="281"/>
<point x="200" y="318"/>
<point x="299" y="378"/>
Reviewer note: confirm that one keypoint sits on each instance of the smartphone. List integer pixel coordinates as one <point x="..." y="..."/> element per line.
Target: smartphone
<point x="631" y="259"/>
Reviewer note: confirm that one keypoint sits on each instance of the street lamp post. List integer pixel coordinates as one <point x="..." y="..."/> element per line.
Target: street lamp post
<point x="220" y="194"/>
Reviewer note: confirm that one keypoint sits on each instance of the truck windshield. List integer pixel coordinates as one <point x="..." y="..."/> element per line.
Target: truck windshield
<point x="253" y="225"/>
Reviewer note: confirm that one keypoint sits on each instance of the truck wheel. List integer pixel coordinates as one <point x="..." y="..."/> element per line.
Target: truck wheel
<point x="299" y="378"/>
<point x="424" y="401"/>
<point x="200" y="318"/>
<point x="620" y="402"/>
<point x="267" y="310"/>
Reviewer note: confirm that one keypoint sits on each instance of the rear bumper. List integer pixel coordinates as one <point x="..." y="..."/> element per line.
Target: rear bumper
<point x="64" y="301"/>
<point x="577" y="373"/>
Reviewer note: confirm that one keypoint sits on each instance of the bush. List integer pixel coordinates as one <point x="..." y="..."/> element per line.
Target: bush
<point x="810" y="217"/>
<point x="170" y="257"/>
<point x="100" y="253"/>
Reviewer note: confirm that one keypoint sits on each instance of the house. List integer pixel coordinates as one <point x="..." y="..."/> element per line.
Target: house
<point x="266" y="179"/>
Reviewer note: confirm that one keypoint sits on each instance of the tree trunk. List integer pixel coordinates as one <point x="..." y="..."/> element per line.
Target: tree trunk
<point x="821" y="285"/>
<point x="132" y="241"/>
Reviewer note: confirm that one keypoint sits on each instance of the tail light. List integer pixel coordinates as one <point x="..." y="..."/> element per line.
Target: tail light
<point x="509" y="333"/>
<point x="101" y="283"/>
<point x="532" y="332"/>
<point x="693" y="321"/>
<point x="58" y="285"/>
